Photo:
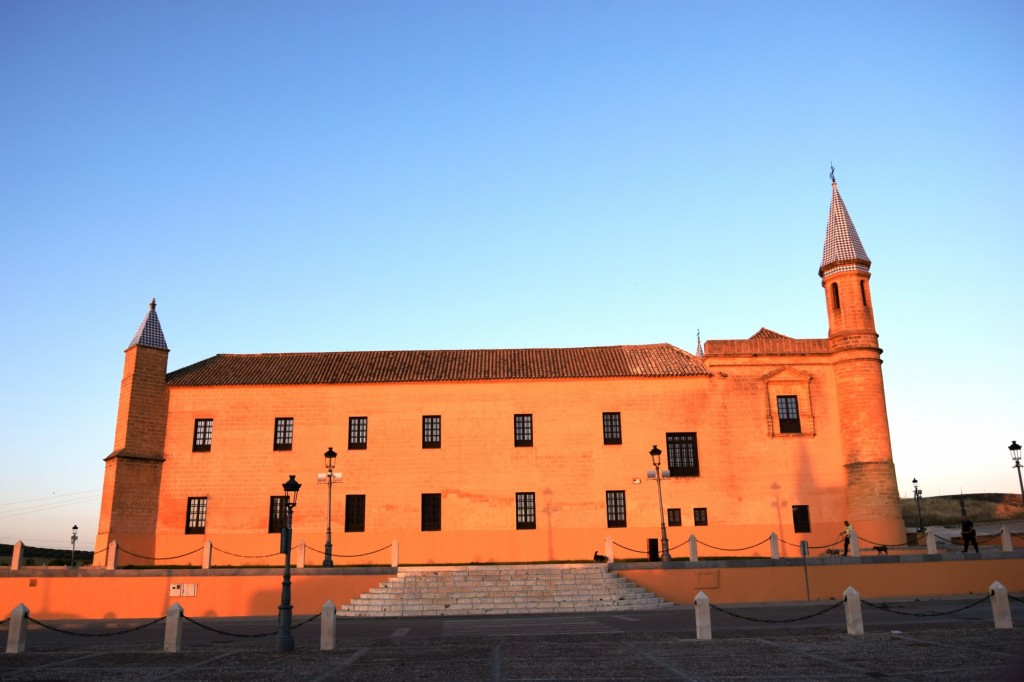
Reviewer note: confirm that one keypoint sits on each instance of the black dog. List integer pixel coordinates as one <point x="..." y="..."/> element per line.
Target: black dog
<point x="600" y="557"/>
<point x="882" y="549"/>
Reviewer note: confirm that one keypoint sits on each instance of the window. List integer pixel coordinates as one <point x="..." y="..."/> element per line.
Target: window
<point x="432" y="432"/>
<point x="430" y="515"/>
<point x="675" y="517"/>
<point x="863" y="293"/>
<point x="700" y="516"/>
<point x="278" y="513"/>
<point x="283" y="433"/>
<point x="616" y="503"/>
<point x="835" y="296"/>
<point x="195" y="520"/>
<point x="789" y="414"/>
<point x="524" y="430"/>
<point x="526" y="511"/>
<point x="612" y="429"/>
<point x="357" y="433"/>
<point x="355" y="513"/>
<point x="682" y="454"/>
<point x="203" y="435"/>
<point x="801" y="518"/>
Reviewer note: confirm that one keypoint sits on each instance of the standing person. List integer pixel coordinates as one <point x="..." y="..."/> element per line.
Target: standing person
<point x="969" y="535"/>
<point x="847" y="532"/>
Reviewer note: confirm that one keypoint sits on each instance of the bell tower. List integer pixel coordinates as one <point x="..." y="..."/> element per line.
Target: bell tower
<point x="131" y="483"/>
<point x="872" y="496"/>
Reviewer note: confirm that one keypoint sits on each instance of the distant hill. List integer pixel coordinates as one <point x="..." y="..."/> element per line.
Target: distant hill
<point x="41" y="556"/>
<point x="944" y="510"/>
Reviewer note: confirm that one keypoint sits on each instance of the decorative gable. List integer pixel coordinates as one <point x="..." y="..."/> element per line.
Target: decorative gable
<point x="788" y="407"/>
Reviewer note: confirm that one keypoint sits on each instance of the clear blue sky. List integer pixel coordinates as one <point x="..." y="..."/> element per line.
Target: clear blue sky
<point x="314" y="176"/>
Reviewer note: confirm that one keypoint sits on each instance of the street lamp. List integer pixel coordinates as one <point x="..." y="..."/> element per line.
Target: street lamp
<point x="285" y="641"/>
<point x="329" y="463"/>
<point x="917" y="496"/>
<point x="1015" y="454"/>
<point x="656" y="460"/>
<point x="74" y="539"/>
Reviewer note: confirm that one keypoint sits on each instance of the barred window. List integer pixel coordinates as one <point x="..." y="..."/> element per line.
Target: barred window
<point x="675" y="517"/>
<point x="700" y="516"/>
<point x="357" y="433"/>
<point x="202" y="436"/>
<point x="283" y="433"/>
<point x="612" y="428"/>
<point x="789" y="414"/>
<point x="430" y="515"/>
<point x="355" y="513"/>
<point x="615" y="500"/>
<point x="526" y="511"/>
<point x="195" y="518"/>
<point x="278" y="513"/>
<point x="524" y="430"/>
<point x="682" y="454"/>
<point x="432" y="431"/>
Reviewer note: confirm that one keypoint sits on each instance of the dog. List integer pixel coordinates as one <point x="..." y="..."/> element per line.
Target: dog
<point x="832" y="552"/>
<point x="881" y="549"/>
<point x="600" y="557"/>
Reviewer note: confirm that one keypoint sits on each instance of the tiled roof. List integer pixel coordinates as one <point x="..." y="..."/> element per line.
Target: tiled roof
<point x="656" y="360"/>
<point x="149" y="333"/>
<point x="843" y="250"/>
<point x="765" y="333"/>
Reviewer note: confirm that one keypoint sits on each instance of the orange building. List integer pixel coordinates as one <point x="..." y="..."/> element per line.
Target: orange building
<point x="512" y="455"/>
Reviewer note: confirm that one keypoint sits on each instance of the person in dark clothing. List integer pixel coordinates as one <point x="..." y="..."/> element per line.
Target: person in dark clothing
<point x="969" y="535"/>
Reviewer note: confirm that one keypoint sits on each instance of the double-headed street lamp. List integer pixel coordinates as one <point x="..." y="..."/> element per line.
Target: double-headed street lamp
<point x="917" y="496"/>
<point x="1015" y="454"/>
<point x="285" y="641"/>
<point x="656" y="460"/>
<point x="329" y="479"/>
<point x="74" y="539"/>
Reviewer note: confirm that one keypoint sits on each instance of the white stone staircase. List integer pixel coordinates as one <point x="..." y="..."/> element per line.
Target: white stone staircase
<point x="502" y="589"/>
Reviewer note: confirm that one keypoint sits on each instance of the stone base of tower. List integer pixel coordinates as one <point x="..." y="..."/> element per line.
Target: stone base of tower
<point x="131" y="498"/>
<point x="873" y="503"/>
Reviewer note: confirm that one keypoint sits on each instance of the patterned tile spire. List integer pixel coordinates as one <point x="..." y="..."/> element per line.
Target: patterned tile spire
<point x="149" y="334"/>
<point x="700" y="346"/>
<point x="843" y="250"/>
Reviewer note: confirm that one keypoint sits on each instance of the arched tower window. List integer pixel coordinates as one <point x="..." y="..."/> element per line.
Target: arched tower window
<point x="863" y="293"/>
<point x="835" y="296"/>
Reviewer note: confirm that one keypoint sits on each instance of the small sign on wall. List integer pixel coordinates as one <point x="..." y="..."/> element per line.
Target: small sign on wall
<point x="183" y="590"/>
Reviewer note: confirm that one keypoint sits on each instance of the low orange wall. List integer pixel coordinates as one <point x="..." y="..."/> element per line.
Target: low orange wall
<point x="99" y="594"/>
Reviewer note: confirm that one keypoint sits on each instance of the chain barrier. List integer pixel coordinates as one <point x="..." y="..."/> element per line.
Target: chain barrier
<point x="926" y="614"/>
<point x="232" y="634"/>
<point x="1015" y="598"/>
<point x="4" y="621"/>
<point x="871" y="543"/>
<point x="92" y="634"/>
<point x="740" y="549"/>
<point x="833" y="544"/>
<point x="628" y="549"/>
<point x="160" y="558"/>
<point x="246" y="556"/>
<point x="783" y="620"/>
<point x="351" y="556"/>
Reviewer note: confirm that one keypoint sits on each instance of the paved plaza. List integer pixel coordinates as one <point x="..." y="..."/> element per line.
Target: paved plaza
<point x="903" y="642"/>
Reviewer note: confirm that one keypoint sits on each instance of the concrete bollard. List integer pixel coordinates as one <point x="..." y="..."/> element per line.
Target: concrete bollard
<point x="17" y="630"/>
<point x="19" y="548"/>
<point x="773" y="542"/>
<point x="854" y="544"/>
<point x="208" y="554"/>
<point x="693" y="548"/>
<point x="328" y="626"/>
<point x="394" y="553"/>
<point x="854" y="619"/>
<point x="929" y="537"/>
<point x="300" y="555"/>
<point x="112" y="555"/>
<point x="702" y="614"/>
<point x="1004" y="534"/>
<point x="609" y="549"/>
<point x="172" y="628"/>
<point x="1000" y="607"/>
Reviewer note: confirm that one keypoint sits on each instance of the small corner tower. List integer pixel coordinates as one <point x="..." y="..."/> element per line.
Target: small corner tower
<point x="872" y="495"/>
<point x="131" y="483"/>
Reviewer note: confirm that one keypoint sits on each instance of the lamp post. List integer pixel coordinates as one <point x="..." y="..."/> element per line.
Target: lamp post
<point x="285" y="641"/>
<point x="917" y="496"/>
<point x="656" y="460"/>
<point x="329" y="457"/>
<point x="1015" y="454"/>
<point x="74" y="539"/>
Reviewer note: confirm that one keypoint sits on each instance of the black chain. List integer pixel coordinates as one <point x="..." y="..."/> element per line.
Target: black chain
<point x="926" y="613"/>
<point x="246" y="556"/>
<point x="232" y="634"/>
<point x="4" y="621"/>
<point x="350" y="556"/>
<point x="785" y="620"/>
<point x="628" y="549"/>
<point x="89" y="634"/>
<point x="739" y="549"/>
<point x="1010" y="596"/>
<point x="811" y="546"/>
<point x="160" y="558"/>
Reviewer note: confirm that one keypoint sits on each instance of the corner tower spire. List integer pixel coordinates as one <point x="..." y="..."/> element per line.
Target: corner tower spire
<point x="149" y="333"/>
<point x="843" y="250"/>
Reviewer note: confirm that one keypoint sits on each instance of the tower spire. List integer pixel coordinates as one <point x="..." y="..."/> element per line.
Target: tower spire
<point x="843" y="250"/>
<point x="149" y="333"/>
<point x="700" y="346"/>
